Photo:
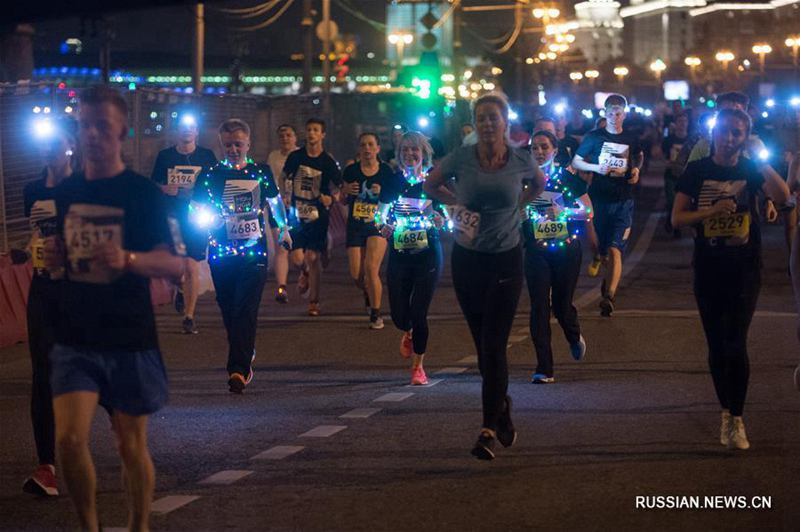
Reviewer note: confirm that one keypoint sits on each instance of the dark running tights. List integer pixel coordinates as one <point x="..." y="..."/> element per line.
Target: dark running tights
<point x="488" y="287"/>
<point x="727" y="292"/>
<point x="411" y="280"/>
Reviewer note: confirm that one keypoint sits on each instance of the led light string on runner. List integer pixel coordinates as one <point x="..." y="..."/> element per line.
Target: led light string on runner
<point x="224" y="250"/>
<point x="555" y="183"/>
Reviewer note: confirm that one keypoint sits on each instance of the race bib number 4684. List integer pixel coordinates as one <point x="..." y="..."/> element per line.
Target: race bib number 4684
<point x="465" y="222"/>
<point x="410" y="239"/>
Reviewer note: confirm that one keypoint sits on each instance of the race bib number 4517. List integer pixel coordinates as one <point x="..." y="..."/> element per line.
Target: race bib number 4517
<point x="86" y="228"/>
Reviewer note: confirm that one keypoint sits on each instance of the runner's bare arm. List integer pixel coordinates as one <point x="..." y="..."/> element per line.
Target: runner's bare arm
<point x="683" y="214"/>
<point x="434" y="187"/>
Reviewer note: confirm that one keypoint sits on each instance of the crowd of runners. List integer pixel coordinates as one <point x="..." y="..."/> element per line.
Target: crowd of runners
<point x="518" y="214"/>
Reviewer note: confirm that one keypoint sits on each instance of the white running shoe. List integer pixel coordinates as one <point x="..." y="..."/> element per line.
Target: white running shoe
<point x="737" y="437"/>
<point x="725" y="427"/>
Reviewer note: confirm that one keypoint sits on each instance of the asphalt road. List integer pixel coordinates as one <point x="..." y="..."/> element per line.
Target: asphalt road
<point x="638" y="417"/>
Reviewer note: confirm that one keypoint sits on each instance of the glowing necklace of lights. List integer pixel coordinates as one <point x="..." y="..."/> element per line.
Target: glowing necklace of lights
<point x="555" y="183"/>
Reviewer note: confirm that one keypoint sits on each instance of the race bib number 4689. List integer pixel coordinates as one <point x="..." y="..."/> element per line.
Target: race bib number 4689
<point x="550" y="230"/>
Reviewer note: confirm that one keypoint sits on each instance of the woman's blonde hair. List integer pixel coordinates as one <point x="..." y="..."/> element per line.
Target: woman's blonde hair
<point x="417" y="139"/>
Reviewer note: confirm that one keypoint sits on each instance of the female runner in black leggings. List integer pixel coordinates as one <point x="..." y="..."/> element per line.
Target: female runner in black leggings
<point x="716" y="195"/>
<point x="487" y="256"/>
<point x="415" y="256"/>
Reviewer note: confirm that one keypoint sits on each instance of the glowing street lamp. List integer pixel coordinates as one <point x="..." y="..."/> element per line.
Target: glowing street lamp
<point x="545" y="13"/>
<point x="762" y="49"/>
<point x="793" y="42"/>
<point x="658" y="67"/>
<point x="400" y="40"/>
<point x="575" y="76"/>
<point x="621" y="72"/>
<point x="591" y="75"/>
<point x="725" y="57"/>
<point x="692" y="62"/>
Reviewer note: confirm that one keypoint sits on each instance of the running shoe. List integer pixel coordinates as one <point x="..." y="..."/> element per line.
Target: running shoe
<point x="376" y="323"/>
<point x="406" y="346"/>
<point x="506" y="433"/>
<point x="237" y="382"/>
<point x="42" y="482"/>
<point x="189" y="326"/>
<point x="594" y="267"/>
<point x="302" y="283"/>
<point x="282" y="296"/>
<point x="737" y="437"/>
<point x="484" y="447"/>
<point x="578" y="349"/>
<point x="180" y="302"/>
<point x="606" y="307"/>
<point x="725" y="428"/>
<point x="313" y="309"/>
<point x="541" y="378"/>
<point x="418" y="377"/>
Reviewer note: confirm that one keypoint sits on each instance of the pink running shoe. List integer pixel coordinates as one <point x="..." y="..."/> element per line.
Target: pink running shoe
<point x="406" y="347"/>
<point x="418" y="377"/>
<point x="42" y="482"/>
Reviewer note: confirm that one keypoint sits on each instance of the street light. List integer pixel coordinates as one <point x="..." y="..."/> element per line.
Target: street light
<point x="575" y="76"/>
<point x="400" y="40"/>
<point x="692" y="62"/>
<point x="762" y="49"/>
<point x="725" y="57"/>
<point x="621" y="72"/>
<point x="658" y="66"/>
<point x="793" y="42"/>
<point x="591" y="75"/>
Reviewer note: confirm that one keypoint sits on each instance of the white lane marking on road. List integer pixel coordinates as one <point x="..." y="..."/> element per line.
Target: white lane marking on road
<point x="226" y="477"/>
<point x="278" y="452"/>
<point x="431" y="382"/>
<point x="633" y="259"/>
<point x="393" y="397"/>
<point x="472" y="359"/>
<point x="515" y="339"/>
<point x="170" y="503"/>
<point x="323" y="431"/>
<point x="451" y="371"/>
<point x="360" y="413"/>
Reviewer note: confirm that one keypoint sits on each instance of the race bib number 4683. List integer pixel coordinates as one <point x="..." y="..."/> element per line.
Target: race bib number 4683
<point x="735" y="225"/>
<point x="465" y="222"/>
<point x="243" y="226"/>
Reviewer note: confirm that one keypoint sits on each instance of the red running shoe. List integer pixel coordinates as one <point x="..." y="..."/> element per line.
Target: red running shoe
<point x="406" y="347"/>
<point x="42" y="482"/>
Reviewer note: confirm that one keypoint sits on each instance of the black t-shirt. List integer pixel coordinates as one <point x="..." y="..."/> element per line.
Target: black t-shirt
<point x="361" y="208"/>
<point x="175" y="168"/>
<point x="40" y="209"/>
<point x="310" y="178"/>
<point x="562" y="188"/>
<point x="239" y="198"/>
<point x="411" y="212"/>
<point x="621" y="151"/>
<point x="736" y="235"/>
<point x="100" y="309"/>
<point x="566" y="150"/>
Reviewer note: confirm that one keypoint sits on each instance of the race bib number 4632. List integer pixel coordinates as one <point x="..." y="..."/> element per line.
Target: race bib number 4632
<point x="465" y="222"/>
<point x="243" y="226"/>
<point x="410" y="239"/>
<point x="736" y="225"/>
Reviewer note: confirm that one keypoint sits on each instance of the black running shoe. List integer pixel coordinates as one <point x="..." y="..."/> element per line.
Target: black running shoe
<point x="189" y="326"/>
<point x="484" y="447"/>
<point x="180" y="303"/>
<point x="506" y="434"/>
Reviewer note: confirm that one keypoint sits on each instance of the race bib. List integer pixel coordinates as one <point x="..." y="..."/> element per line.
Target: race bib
<point x="37" y="253"/>
<point x="410" y="239"/>
<point x="307" y="213"/>
<point x="183" y="176"/>
<point x="615" y="156"/>
<point x="364" y="211"/>
<point x="735" y="225"/>
<point x="243" y="226"/>
<point x="550" y="230"/>
<point x="465" y="222"/>
<point x="86" y="228"/>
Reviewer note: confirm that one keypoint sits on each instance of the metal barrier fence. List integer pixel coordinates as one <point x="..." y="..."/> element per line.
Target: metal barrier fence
<point x="153" y="119"/>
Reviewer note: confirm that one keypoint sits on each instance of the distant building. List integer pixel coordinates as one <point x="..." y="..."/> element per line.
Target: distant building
<point x="598" y="30"/>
